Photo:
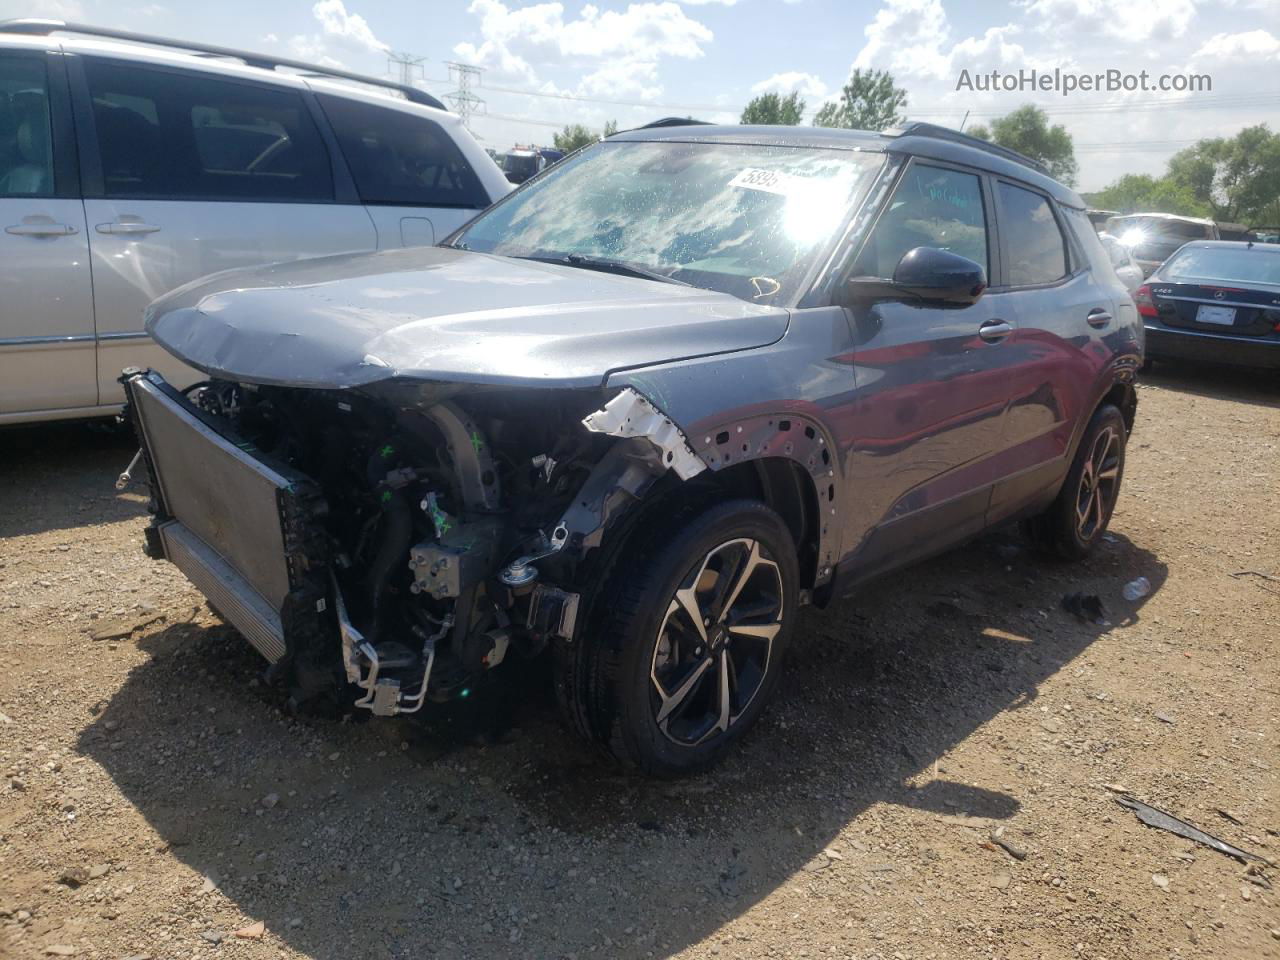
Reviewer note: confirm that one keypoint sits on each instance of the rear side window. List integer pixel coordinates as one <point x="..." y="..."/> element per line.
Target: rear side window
<point x="26" y="147"/>
<point x="932" y="207"/>
<point x="184" y="136"/>
<point x="402" y="160"/>
<point x="1037" y="252"/>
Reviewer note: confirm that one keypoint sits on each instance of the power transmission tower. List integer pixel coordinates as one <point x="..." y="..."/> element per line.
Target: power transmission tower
<point x="407" y="65"/>
<point x="464" y="101"/>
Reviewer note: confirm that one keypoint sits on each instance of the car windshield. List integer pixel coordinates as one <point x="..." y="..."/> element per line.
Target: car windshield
<point x="1233" y="264"/>
<point x="1135" y="231"/>
<point x="742" y="219"/>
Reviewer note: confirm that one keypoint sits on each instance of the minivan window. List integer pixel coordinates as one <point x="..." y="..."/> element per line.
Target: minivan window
<point x="400" y="159"/>
<point x="26" y="147"/>
<point x="1037" y="252"/>
<point x="185" y="136"/>
<point x="932" y="207"/>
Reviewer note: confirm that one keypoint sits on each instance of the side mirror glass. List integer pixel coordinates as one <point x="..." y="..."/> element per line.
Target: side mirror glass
<point x="927" y="275"/>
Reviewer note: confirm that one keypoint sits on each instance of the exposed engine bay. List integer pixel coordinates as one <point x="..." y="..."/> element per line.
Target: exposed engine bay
<point x="428" y="532"/>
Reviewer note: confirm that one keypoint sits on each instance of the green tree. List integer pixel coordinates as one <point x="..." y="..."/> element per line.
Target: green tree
<point x="1142" y="193"/>
<point x="610" y="128"/>
<point x="1235" y="178"/>
<point x="774" y="109"/>
<point x="1027" y="130"/>
<point x="869" y="101"/>
<point x="573" y="136"/>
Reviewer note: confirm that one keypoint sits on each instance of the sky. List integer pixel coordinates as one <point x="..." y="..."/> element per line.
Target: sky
<point x="551" y="63"/>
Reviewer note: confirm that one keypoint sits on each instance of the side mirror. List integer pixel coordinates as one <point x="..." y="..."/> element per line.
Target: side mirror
<point x="925" y="274"/>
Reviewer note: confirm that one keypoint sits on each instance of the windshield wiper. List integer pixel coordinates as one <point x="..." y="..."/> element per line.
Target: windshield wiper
<point x="610" y="266"/>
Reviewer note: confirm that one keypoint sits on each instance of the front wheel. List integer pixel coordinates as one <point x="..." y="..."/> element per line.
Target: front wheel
<point x="1080" y="514"/>
<point x="685" y="646"/>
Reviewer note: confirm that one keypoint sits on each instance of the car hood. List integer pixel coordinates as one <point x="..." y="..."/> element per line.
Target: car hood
<point x="437" y="313"/>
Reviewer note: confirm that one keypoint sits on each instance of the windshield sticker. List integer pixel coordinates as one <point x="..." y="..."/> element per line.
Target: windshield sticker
<point x="770" y="181"/>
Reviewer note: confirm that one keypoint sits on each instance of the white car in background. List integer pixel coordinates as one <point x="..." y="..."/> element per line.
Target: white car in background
<point x="1126" y="267"/>
<point x="131" y="165"/>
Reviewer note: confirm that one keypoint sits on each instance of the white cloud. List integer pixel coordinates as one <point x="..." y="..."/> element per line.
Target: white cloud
<point x="907" y="36"/>
<point x="346" y="28"/>
<point x="340" y="32"/>
<point x="792" y="82"/>
<point x="622" y="78"/>
<point x="1122" y="19"/>
<point x="311" y="48"/>
<point x="723" y="3"/>
<point x="912" y="38"/>
<point x="623" y="46"/>
<point x="1254" y="43"/>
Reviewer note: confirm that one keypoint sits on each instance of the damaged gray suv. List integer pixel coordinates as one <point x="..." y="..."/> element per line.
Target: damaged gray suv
<point x="635" y="416"/>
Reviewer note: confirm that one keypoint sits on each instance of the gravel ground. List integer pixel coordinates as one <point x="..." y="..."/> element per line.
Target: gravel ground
<point x="157" y="801"/>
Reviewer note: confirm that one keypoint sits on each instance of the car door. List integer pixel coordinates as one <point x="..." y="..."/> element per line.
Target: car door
<point x="46" y="299"/>
<point x="931" y="381"/>
<point x="189" y="173"/>
<point x="1064" y="313"/>
<point x="415" y="182"/>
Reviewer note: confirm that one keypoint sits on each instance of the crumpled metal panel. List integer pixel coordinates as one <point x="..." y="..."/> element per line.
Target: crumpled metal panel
<point x="435" y="313"/>
<point x="630" y="414"/>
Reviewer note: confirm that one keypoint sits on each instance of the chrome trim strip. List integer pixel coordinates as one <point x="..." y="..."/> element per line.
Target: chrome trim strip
<point x="45" y="341"/>
<point x="1220" y="303"/>
<point x="126" y="335"/>
<point x="60" y="413"/>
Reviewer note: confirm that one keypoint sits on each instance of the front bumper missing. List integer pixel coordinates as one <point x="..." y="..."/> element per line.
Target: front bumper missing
<point x="238" y="526"/>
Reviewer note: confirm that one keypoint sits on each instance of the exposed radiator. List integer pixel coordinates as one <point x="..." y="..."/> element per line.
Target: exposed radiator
<point x="230" y="593"/>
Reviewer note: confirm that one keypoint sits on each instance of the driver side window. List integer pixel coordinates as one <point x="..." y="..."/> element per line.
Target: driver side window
<point x="932" y="207"/>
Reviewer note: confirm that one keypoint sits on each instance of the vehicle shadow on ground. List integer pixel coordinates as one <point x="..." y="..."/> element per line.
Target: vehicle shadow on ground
<point x="388" y="841"/>
<point x="1241" y="384"/>
<point x="59" y="475"/>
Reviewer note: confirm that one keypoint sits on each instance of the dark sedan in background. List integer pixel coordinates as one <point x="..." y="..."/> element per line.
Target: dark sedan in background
<point x="1215" y="301"/>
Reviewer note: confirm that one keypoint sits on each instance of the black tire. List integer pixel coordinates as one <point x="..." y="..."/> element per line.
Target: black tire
<point x="1080" y="514"/>
<point x="638" y="634"/>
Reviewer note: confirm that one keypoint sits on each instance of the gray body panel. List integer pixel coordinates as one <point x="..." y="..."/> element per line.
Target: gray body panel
<point x="442" y="314"/>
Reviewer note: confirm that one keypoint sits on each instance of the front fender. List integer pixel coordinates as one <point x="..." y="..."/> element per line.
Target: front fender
<point x="782" y="401"/>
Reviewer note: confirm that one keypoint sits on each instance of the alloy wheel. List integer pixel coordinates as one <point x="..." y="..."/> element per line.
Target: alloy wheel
<point x="715" y="643"/>
<point x="1099" y="484"/>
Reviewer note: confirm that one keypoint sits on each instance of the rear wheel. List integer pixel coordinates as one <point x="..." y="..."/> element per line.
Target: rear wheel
<point x="685" y="646"/>
<point x="1080" y="514"/>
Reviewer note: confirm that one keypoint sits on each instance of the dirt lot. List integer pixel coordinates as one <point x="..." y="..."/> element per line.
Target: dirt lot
<point x="157" y="801"/>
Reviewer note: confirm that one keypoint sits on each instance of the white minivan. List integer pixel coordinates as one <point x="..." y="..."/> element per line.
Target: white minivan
<point x="130" y="165"/>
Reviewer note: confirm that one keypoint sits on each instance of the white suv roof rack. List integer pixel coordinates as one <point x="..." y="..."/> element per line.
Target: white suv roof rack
<point x="35" y="27"/>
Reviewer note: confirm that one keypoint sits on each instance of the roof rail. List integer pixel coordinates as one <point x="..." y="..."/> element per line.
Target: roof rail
<point x="673" y="122"/>
<point x="917" y="128"/>
<point x="42" y="28"/>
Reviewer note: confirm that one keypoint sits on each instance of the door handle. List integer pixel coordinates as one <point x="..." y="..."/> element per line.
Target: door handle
<point x="41" y="229"/>
<point x="993" y="331"/>
<point x="126" y="226"/>
<point x="1098" y="317"/>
